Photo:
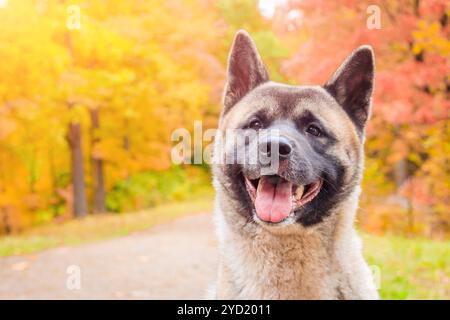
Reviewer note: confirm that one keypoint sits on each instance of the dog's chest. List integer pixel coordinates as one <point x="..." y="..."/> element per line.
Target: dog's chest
<point x="267" y="268"/>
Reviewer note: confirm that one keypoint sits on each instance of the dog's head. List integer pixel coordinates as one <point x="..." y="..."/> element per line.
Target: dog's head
<point x="289" y="154"/>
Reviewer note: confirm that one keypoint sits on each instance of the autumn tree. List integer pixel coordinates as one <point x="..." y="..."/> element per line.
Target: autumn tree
<point x="411" y="93"/>
<point x="101" y="89"/>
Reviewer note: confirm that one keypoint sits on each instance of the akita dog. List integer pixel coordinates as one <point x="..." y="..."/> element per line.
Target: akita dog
<point x="286" y="231"/>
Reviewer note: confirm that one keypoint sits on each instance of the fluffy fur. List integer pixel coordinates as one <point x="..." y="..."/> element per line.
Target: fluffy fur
<point x="315" y="253"/>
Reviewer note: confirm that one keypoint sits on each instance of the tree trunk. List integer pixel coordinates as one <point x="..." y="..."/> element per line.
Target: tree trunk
<point x="53" y="176"/>
<point x="401" y="175"/>
<point x="97" y="167"/>
<point x="5" y="225"/>
<point x="80" y="208"/>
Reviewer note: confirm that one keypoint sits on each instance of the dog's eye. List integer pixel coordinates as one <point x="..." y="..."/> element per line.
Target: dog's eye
<point x="255" y="125"/>
<point x="314" y="130"/>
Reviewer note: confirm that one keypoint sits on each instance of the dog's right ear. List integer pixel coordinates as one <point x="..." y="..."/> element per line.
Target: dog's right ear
<point x="245" y="70"/>
<point x="352" y="85"/>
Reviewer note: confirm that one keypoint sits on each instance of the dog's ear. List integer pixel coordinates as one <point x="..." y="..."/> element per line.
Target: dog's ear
<point x="245" y="70"/>
<point x="352" y="85"/>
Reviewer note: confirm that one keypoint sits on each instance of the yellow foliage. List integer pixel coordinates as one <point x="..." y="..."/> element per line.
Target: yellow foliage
<point x="132" y="63"/>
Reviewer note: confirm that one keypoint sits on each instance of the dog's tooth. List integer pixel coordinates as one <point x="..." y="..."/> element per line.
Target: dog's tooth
<point x="299" y="192"/>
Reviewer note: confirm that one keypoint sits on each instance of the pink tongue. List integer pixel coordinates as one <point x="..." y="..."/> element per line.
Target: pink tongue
<point x="273" y="202"/>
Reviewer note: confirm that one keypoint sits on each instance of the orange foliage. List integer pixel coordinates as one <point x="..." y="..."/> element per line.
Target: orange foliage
<point x="146" y="68"/>
<point x="408" y="135"/>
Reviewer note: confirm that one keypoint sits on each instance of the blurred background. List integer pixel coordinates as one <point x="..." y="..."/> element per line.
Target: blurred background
<point x="90" y="92"/>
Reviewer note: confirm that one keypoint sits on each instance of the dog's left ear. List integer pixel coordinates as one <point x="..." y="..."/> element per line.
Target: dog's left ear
<point x="352" y="85"/>
<point x="245" y="70"/>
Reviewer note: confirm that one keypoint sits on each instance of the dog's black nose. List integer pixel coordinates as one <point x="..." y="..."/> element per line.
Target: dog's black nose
<point x="284" y="149"/>
<point x="280" y="146"/>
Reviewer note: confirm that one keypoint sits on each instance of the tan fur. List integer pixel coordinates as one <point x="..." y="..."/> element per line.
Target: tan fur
<point x="288" y="260"/>
<point x="293" y="262"/>
<point x="323" y="262"/>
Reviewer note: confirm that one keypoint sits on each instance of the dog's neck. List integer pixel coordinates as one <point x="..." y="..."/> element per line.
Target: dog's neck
<point x="257" y="263"/>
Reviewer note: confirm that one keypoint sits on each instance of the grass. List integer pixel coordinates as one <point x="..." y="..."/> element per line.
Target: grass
<point x="408" y="268"/>
<point x="97" y="227"/>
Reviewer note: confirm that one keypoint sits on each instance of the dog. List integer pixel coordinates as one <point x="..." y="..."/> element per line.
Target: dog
<point x="286" y="231"/>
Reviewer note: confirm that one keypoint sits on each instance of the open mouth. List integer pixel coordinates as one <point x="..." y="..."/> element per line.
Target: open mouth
<point x="275" y="198"/>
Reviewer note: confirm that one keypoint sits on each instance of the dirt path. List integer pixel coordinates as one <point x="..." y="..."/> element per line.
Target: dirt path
<point x="176" y="260"/>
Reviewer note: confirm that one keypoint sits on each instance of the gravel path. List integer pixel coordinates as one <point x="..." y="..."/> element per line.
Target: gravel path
<point x="176" y="260"/>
